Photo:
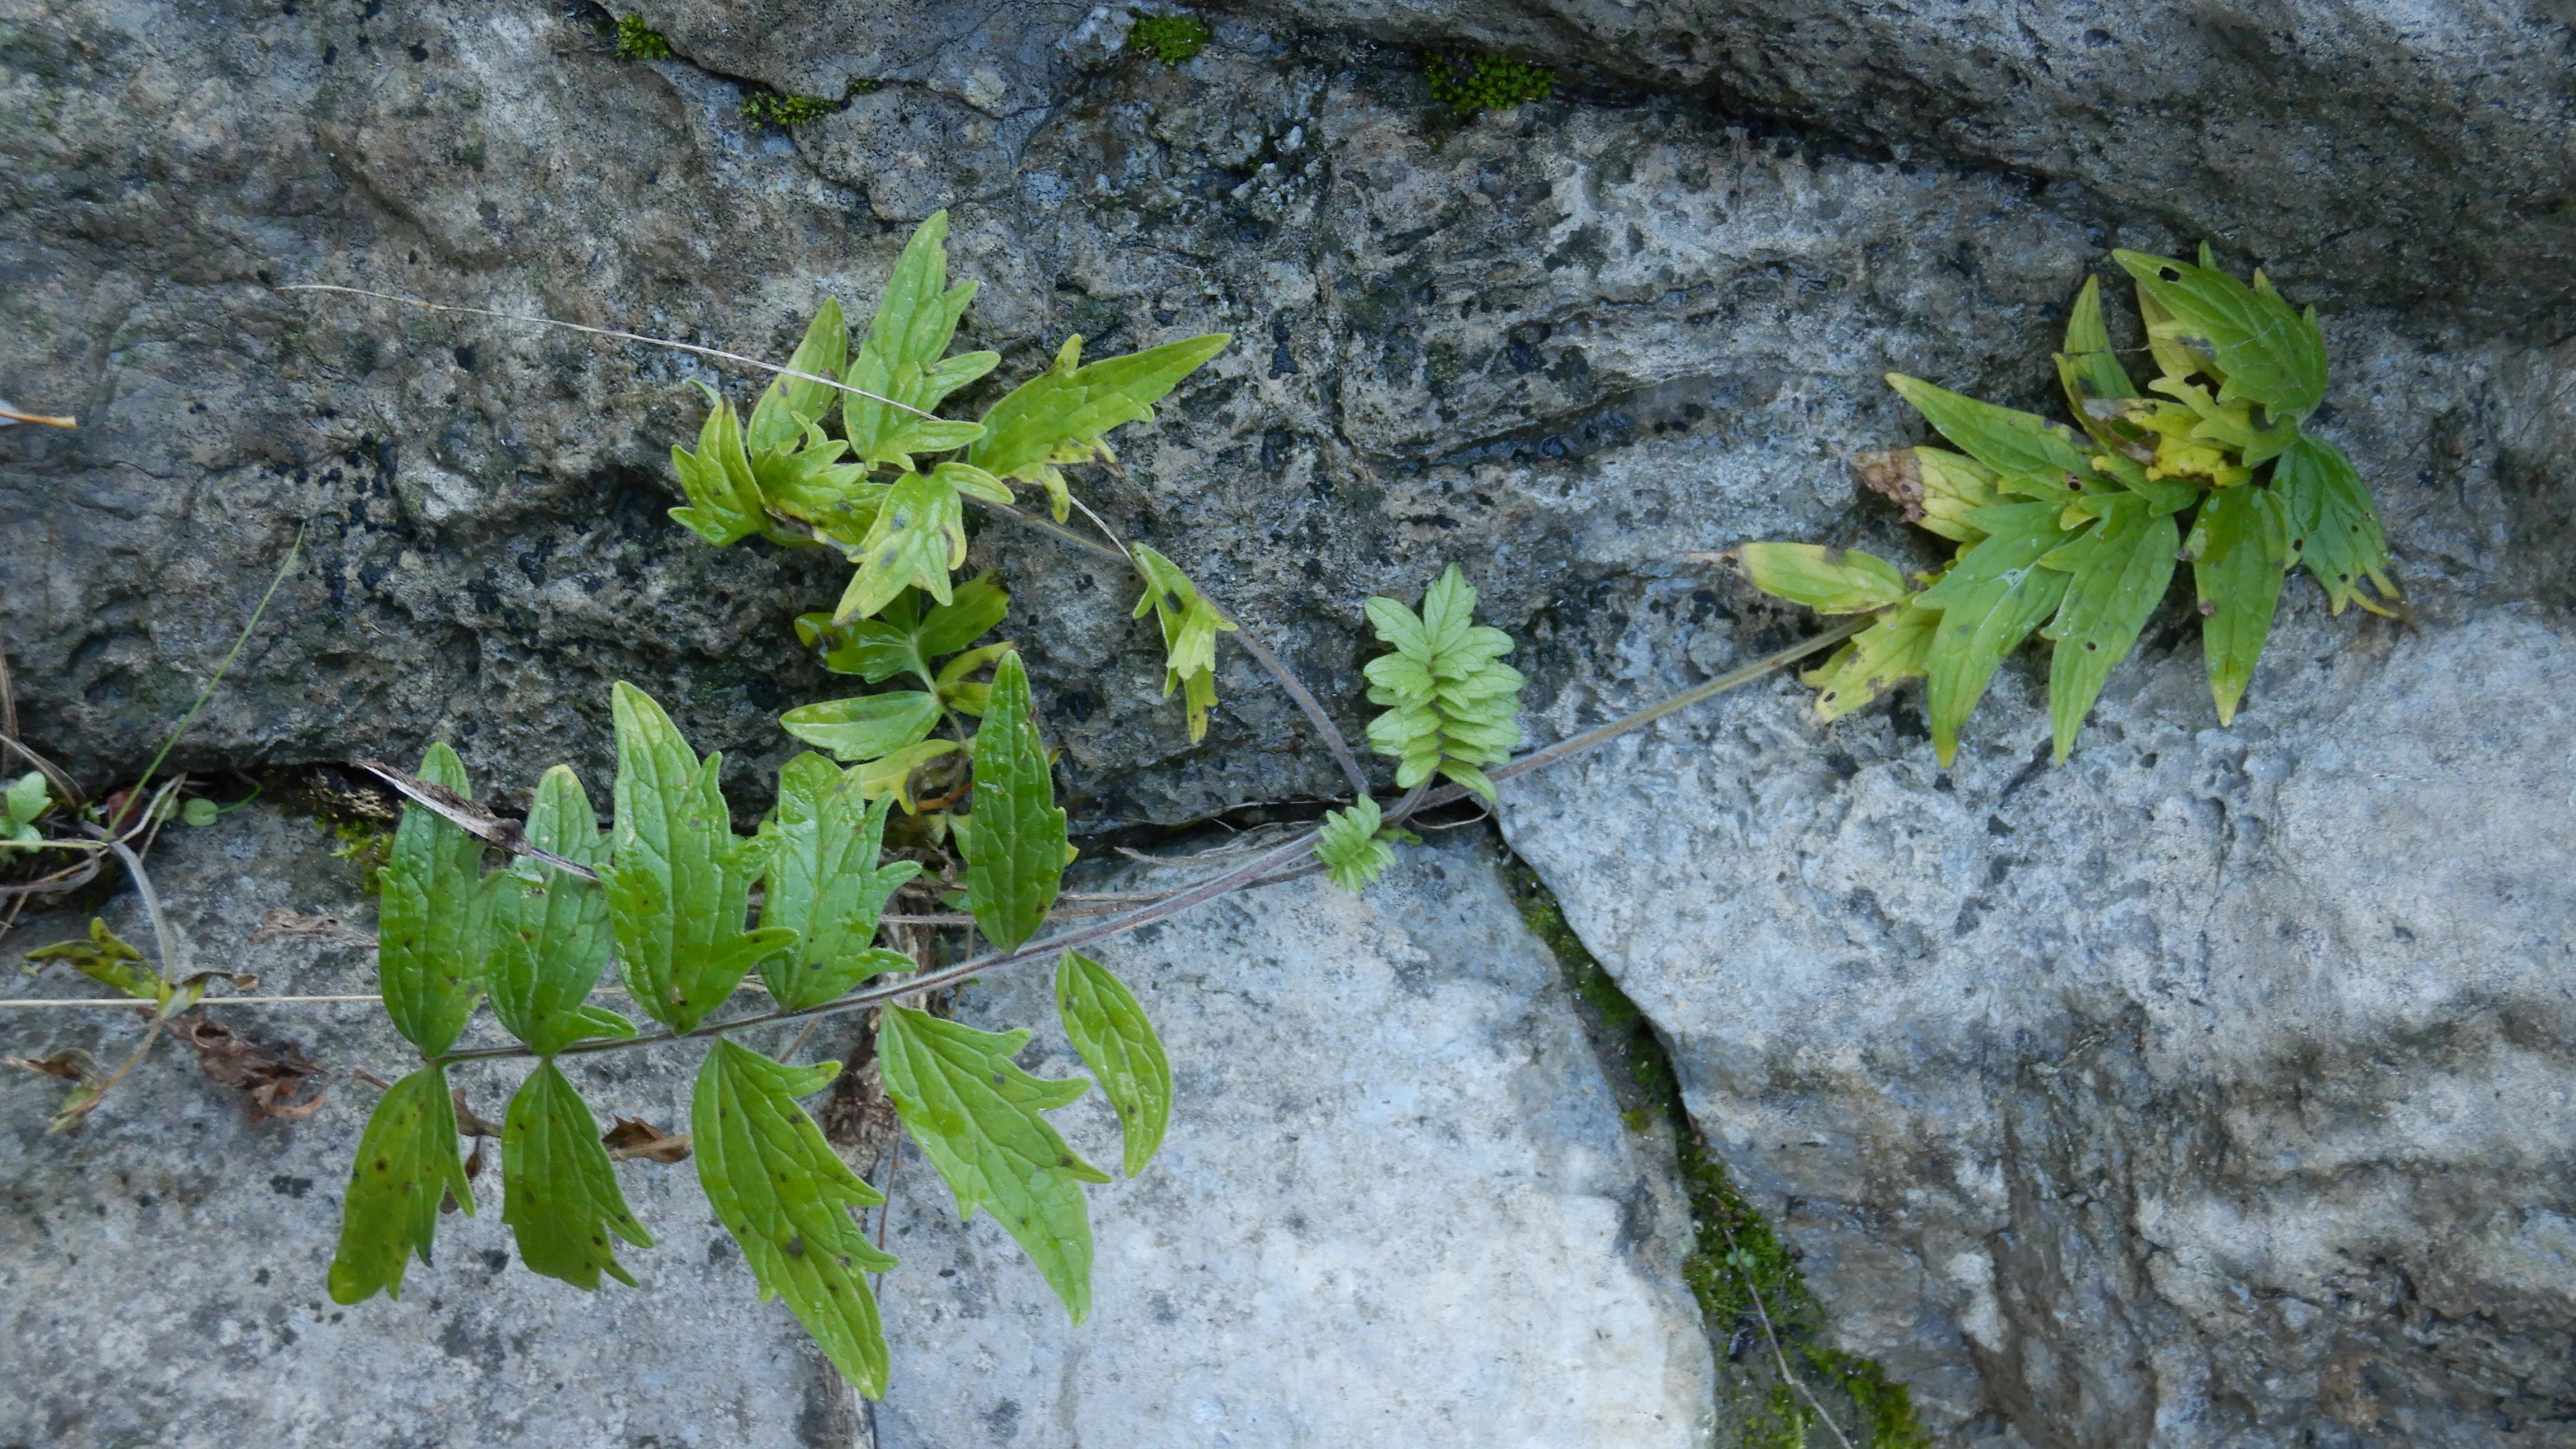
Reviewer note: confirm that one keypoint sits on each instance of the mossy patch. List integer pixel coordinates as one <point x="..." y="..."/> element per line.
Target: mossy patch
<point x="1471" y="83"/>
<point x="639" y="41"/>
<point x="1170" y="39"/>
<point x="1738" y="1268"/>
<point x="768" y="108"/>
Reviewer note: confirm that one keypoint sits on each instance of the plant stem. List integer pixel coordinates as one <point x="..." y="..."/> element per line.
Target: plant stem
<point x="208" y="692"/>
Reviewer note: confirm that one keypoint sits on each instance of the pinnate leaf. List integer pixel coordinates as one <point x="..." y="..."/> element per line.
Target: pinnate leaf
<point x="978" y="1118"/>
<point x="825" y="884"/>
<point x="918" y="536"/>
<point x="1108" y="1027"/>
<point x="679" y="882"/>
<point x="407" y="1165"/>
<point x="1452" y="702"/>
<point x="2120" y="567"/>
<point x="904" y="358"/>
<point x="1354" y="847"/>
<point x="2238" y="549"/>
<point x="429" y="957"/>
<point x="1015" y="837"/>
<point x="558" y="1192"/>
<point x="786" y="1197"/>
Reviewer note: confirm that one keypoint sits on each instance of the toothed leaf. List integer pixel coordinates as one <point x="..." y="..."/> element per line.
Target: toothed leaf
<point x="1989" y="602"/>
<point x="1015" y="837"/>
<point x="2238" y="549"/>
<point x="868" y="727"/>
<point x="2118" y="572"/>
<point x="1062" y="414"/>
<point x="1452" y="702"/>
<point x="918" y="536"/>
<point x="1190" y="625"/>
<point x="2333" y="530"/>
<point x="825" y="884"/>
<point x="1875" y="660"/>
<point x="549" y="930"/>
<point x="902" y="639"/>
<point x="904" y="358"/>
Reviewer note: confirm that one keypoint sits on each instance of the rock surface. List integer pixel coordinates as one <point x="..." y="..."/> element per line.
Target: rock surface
<point x="1397" y="1206"/>
<point x="2217" y="1088"/>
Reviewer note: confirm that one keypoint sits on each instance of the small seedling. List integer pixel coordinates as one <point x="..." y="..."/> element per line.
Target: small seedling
<point x="638" y="41"/>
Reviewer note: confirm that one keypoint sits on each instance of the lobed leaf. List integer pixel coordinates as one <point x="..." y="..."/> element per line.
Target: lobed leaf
<point x="1190" y="625"/>
<point x="1826" y="579"/>
<point x="679" y="881"/>
<point x="106" y="959"/>
<point x="548" y="931"/>
<point x="904" y="358"/>
<point x="1989" y="602"/>
<point x="2332" y="528"/>
<point x="724" y="499"/>
<point x="1453" y="703"/>
<point x="1875" y="660"/>
<point x="786" y="1196"/>
<point x="1354" y="847"/>
<point x="977" y="1116"/>
<point x="904" y="640"/>
<point x="2239" y="550"/>
<point x="1015" y="838"/>
<point x="1108" y="1027"/>
<point x="825" y="884"/>
<point x="791" y="404"/>
<point x="918" y="536"/>
<point x="407" y="1165"/>
<point x="2120" y="567"/>
<point x="2265" y="352"/>
<point x="558" y="1192"/>
<point x="1063" y="414"/>
<point x="868" y="727"/>
<point x="430" y="918"/>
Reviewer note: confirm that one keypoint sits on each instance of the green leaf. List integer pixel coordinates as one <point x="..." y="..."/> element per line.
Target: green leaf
<point x="867" y="727"/>
<point x="904" y="358"/>
<point x="2018" y="445"/>
<point x="1953" y="486"/>
<point x="826" y="885"/>
<point x="2333" y="529"/>
<point x="891" y="776"/>
<point x="1825" y="579"/>
<point x="1353" y="847"/>
<point x="2088" y="367"/>
<point x="1452" y="702"/>
<point x="105" y="959"/>
<point x="558" y="1192"/>
<point x="1015" y="838"/>
<point x="724" y="498"/>
<point x="786" y="1197"/>
<point x="2239" y="547"/>
<point x="1190" y="625"/>
<point x="918" y="536"/>
<point x="809" y="483"/>
<point x="27" y="798"/>
<point x="902" y="639"/>
<point x="1104" y="1022"/>
<point x="549" y="930"/>
<point x="1877" y="659"/>
<point x="789" y="404"/>
<point x="679" y="885"/>
<point x="429" y="924"/>
<point x="2120" y="568"/>
<point x="977" y="1117"/>
<point x="1989" y="602"/>
<point x="1062" y="414"/>
<point x="2265" y="352"/>
<point x="407" y="1164"/>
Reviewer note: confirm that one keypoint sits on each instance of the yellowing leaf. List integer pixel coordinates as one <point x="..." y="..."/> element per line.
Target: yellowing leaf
<point x="977" y="1116"/>
<point x="2264" y="351"/>
<point x="558" y="1192"/>
<point x="868" y="727"/>
<point x="1827" y="580"/>
<point x="786" y="1196"/>
<point x="724" y="499"/>
<point x="918" y="536"/>
<point x="407" y="1165"/>
<point x="1190" y="625"/>
<point x="2017" y="445"/>
<point x="904" y="358"/>
<point x="1874" y="661"/>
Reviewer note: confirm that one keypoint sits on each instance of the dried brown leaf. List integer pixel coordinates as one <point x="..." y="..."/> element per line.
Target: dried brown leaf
<point x="286" y="925"/>
<point x="279" y="1082"/>
<point x="631" y="1138"/>
<point x="469" y="1125"/>
<point x="1895" y="475"/>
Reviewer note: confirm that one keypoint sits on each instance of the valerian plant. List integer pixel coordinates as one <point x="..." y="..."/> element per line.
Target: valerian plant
<point x="663" y="904"/>
<point x="2076" y="537"/>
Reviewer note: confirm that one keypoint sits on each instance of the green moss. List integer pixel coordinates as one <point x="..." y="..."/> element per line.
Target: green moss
<point x="1170" y="39"/>
<point x="368" y="844"/>
<point x="1738" y="1268"/>
<point x="768" y="108"/>
<point x="638" y="41"/>
<point x="1472" y="83"/>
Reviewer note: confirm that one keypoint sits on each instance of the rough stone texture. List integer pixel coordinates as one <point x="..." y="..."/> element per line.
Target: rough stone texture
<point x="1397" y="1206"/>
<point x="2214" y="1089"/>
<point x="163" y="1269"/>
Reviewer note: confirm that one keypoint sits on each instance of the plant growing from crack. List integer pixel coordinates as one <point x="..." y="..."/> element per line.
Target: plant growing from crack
<point x="2076" y="538"/>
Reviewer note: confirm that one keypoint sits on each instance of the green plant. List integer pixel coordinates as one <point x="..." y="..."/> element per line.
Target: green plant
<point x="2077" y="538"/>
<point x="768" y="108"/>
<point x="1472" y="83"/>
<point x="21" y="806"/>
<point x="1170" y="39"/>
<point x="1451" y="700"/>
<point x="638" y="41"/>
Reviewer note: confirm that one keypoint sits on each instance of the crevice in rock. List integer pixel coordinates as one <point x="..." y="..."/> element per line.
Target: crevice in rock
<point x="1738" y="1269"/>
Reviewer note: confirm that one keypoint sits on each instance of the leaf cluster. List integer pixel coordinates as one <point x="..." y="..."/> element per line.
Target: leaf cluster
<point x="664" y="897"/>
<point x="1472" y="83"/>
<point x="1355" y="848"/>
<point x="2075" y="537"/>
<point x="639" y="41"/>
<point x="1451" y="701"/>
